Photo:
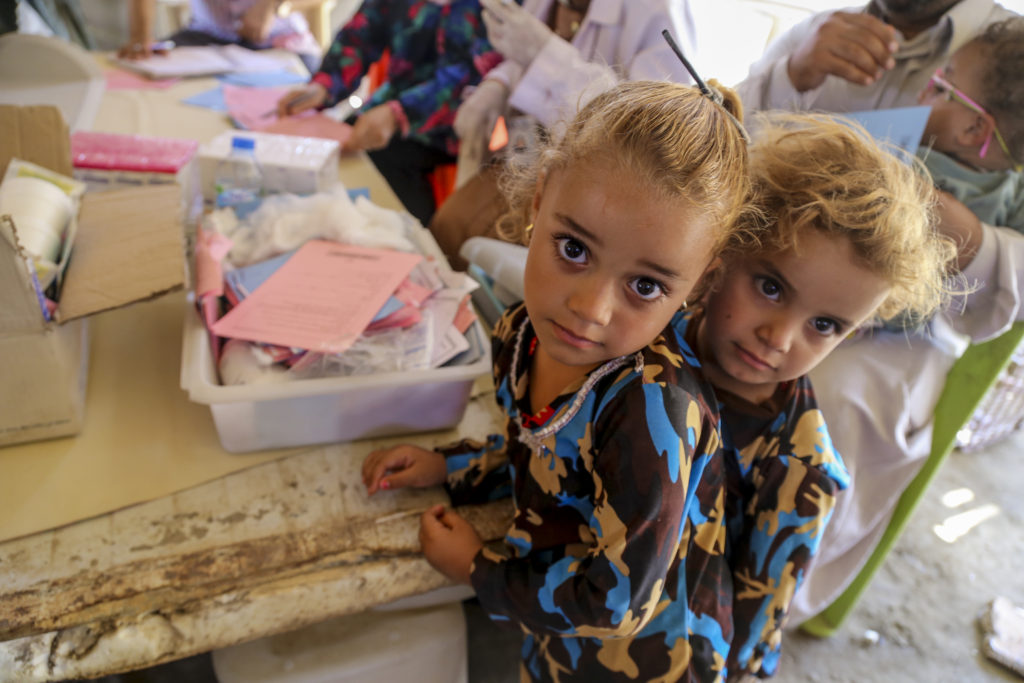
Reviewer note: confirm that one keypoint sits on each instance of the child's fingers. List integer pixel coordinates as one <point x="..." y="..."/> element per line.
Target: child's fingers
<point x="433" y="518"/>
<point x="377" y="465"/>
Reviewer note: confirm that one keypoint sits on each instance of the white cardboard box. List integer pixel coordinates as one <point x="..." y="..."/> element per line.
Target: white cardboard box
<point x="289" y="163"/>
<point x="127" y="248"/>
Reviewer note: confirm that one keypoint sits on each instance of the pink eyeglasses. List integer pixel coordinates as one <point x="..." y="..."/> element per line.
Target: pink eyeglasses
<point x="948" y="91"/>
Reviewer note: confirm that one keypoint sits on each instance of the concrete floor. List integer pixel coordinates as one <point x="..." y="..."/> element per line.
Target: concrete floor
<point x="922" y="604"/>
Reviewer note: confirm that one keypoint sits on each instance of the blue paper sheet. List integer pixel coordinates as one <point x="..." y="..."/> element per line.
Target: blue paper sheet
<point x="902" y="126"/>
<point x="244" y="281"/>
<point x="263" y="79"/>
<point x="211" y="99"/>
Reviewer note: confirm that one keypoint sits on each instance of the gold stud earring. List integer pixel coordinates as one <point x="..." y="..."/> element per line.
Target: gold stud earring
<point x="528" y="232"/>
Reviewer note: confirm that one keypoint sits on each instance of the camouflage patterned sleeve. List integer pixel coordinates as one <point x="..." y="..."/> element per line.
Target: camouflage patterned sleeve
<point x="792" y="500"/>
<point x="625" y="477"/>
<point x="477" y="472"/>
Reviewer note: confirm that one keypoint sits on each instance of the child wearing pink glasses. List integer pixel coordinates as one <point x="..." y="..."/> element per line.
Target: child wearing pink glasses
<point x="974" y="140"/>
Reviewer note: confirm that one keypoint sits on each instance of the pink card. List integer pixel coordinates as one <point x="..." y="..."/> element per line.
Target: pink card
<point x="312" y="126"/>
<point x="321" y="299"/>
<point x="253" y="108"/>
<point x="118" y="79"/>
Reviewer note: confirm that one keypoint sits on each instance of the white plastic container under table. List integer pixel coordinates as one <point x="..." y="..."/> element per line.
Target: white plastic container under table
<point x="423" y="645"/>
<point x="304" y="412"/>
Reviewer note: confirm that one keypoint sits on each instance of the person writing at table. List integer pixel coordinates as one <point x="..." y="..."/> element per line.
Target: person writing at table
<point x="436" y="49"/>
<point x="253" y="24"/>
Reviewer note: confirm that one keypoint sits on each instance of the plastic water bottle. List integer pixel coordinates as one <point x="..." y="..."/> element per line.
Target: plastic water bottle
<point x="239" y="180"/>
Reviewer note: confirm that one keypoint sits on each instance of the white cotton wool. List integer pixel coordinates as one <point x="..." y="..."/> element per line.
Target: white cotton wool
<point x="285" y="222"/>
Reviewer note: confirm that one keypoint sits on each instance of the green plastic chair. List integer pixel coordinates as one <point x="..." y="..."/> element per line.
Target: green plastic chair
<point x="970" y="378"/>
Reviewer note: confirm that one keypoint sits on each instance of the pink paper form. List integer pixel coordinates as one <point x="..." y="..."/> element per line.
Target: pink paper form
<point x="321" y="299"/>
<point x="253" y="108"/>
<point x="256" y="109"/>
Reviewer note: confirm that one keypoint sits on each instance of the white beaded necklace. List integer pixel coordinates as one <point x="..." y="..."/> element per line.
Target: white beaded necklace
<point x="534" y="439"/>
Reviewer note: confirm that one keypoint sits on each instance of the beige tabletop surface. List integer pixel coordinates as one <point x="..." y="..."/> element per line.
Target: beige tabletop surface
<point x="142" y="437"/>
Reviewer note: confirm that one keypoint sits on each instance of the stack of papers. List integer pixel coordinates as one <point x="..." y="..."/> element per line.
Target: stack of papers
<point x="321" y="298"/>
<point x="304" y="305"/>
<point x="208" y="60"/>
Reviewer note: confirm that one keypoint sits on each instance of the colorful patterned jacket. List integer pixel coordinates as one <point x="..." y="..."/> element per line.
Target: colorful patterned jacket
<point x="436" y="52"/>
<point x="614" y="564"/>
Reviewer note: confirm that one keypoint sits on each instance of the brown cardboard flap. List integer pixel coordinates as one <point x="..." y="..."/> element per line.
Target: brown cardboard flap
<point x="129" y="247"/>
<point x="20" y="311"/>
<point x="37" y="134"/>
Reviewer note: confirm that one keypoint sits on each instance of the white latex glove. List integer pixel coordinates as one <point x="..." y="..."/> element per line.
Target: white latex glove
<point x="478" y="112"/>
<point x="474" y="123"/>
<point x="513" y="31"/>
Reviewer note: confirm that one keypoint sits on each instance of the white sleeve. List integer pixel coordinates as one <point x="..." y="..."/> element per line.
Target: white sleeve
<point x="560" y="80"/>
<point x="767" y="85"/>
<point x="996" y="274"/>
<point x="508" y="73"/>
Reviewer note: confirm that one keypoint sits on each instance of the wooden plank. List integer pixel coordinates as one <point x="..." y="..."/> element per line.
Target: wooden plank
<point x="268" y="549"/>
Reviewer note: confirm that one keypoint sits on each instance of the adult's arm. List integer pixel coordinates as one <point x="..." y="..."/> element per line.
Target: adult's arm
<point x="795" y="65"/>
<point x="996" y="274"/>
<point x="358" y="44"/>
<point x="140" y="29"/>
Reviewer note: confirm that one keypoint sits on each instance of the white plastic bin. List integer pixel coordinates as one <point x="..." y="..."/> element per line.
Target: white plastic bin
<point x="331" y="409"/>
<point x="425" y="646"/>
<point x="334" y="409"/>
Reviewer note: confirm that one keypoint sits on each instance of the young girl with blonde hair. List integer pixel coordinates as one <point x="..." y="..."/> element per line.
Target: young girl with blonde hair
<point x="844" y="235"/>
<point x="614" y="566"/>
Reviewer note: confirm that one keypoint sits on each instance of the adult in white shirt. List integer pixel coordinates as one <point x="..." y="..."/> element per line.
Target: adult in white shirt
<point x="558" y="55"/>
<point x="878" y="392"/>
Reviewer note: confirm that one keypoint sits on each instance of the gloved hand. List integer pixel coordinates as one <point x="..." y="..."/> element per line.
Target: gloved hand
<point x="477" y="114"/>
<point x="474" y="123"/>
<point x="513" y="31"/>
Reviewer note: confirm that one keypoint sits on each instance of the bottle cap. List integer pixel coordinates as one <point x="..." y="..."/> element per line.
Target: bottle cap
<point x="243" y="143"/>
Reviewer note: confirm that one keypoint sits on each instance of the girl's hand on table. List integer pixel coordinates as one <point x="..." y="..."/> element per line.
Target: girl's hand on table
<point x="403" y="466"/>
<point x="449" y="543"/>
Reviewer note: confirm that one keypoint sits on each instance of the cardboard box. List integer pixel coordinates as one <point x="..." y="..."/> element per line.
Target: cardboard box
<point x="289" y="163"/>
<point x="127" y="248"/>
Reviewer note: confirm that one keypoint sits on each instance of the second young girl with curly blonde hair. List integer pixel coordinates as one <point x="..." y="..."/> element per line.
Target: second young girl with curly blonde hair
<point x="844" y="235"/>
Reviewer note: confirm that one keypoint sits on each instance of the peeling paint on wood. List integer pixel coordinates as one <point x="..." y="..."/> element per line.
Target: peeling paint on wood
<point x="265" y="550"/>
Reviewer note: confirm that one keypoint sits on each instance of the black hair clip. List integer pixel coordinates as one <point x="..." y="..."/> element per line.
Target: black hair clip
<point x="706" y="90"/>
